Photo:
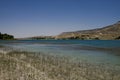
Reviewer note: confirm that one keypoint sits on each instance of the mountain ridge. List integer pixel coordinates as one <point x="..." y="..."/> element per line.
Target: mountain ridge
<point x="110" y="32"/>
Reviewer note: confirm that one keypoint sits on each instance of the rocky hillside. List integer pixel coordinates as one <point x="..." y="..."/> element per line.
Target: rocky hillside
<point x="110" y="32"/>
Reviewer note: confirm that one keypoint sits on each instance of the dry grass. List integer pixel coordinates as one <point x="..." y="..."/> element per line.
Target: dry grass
<point x="21" y="65"/>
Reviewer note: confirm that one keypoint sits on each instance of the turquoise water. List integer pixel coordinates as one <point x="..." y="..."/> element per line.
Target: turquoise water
<point x="93" y="51"/>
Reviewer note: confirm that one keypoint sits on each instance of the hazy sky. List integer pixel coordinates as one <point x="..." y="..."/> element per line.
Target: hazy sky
<point x="24" y="18"/>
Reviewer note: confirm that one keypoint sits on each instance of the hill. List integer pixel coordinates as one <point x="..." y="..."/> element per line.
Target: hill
<point x="6" y="36"/>
<point x="110" y="32"/>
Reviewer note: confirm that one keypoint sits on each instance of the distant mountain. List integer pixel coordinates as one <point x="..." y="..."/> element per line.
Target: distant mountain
<point x="110" y="32"/>
<point x="37" y="38"/>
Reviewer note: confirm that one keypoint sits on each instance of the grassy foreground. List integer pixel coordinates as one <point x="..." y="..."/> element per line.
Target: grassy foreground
<point x="22" y="65"/>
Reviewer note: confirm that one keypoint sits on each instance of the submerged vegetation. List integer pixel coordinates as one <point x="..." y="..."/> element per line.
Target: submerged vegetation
<point x="22" y="65"/>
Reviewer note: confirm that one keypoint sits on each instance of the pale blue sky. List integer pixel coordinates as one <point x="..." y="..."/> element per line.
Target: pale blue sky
<point x="25" y="18"/>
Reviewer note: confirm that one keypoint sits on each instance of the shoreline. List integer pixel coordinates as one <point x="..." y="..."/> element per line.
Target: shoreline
<point x="51" y="67"/>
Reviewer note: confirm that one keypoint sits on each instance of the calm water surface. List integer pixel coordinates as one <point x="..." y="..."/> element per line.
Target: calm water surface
<point x="93" y="51"/>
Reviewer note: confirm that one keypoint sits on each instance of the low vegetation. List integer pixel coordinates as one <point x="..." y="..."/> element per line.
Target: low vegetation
<point x="22" y="65"/>
<point x="6" y="36"/>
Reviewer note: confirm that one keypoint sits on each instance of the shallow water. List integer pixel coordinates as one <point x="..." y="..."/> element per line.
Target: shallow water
<point x="93" y="51"/>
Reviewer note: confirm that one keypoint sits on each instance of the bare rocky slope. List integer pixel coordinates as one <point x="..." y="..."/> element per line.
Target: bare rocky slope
<point x="110" y="32"/>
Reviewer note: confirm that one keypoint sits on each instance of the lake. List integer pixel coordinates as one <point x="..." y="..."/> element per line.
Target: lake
<point x="92" y="51"/>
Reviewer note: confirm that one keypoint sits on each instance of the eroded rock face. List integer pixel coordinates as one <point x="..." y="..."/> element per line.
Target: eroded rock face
<point x="110" y="32"/>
